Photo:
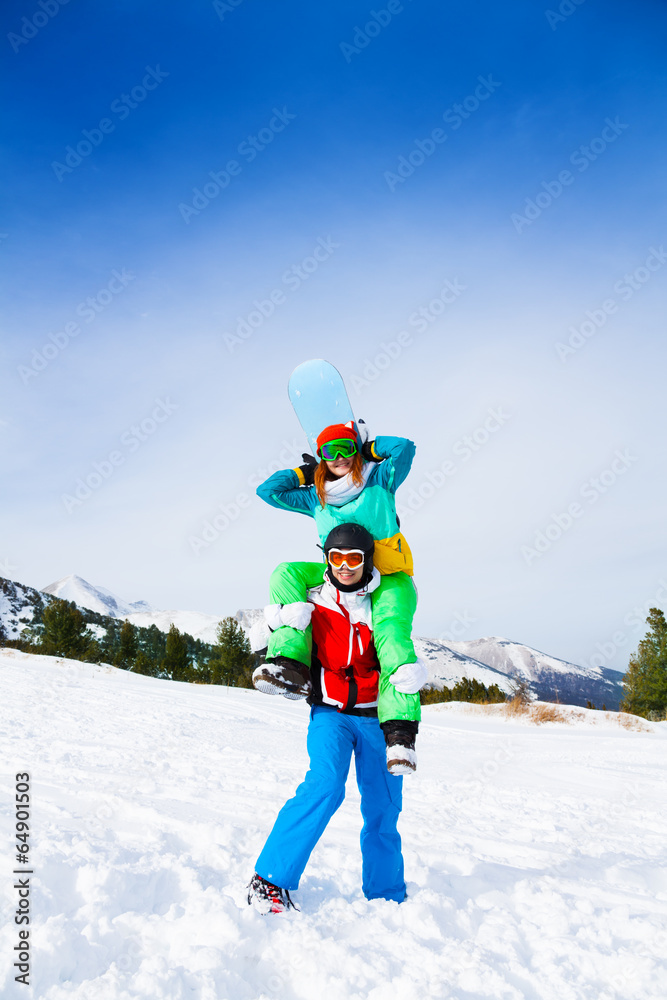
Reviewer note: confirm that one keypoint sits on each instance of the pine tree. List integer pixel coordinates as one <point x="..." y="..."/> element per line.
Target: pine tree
<point x="520" y="688"/>
<point x="64" y="632"/>
<point x="464" y="690"/>
<point x="144" y="665"/>
<point x="646" y="679"/>
<point x="154" y="643"/>
<point x="176" y="658"/>
<point x="232" y="663"/>
<point x="128" y="646"/>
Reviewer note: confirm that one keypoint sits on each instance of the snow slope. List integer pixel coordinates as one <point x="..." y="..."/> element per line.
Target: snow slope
<point x="534" y="855"/>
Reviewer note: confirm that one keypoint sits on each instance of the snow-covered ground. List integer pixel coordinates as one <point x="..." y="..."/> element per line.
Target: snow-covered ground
<point x="535" y="856"/>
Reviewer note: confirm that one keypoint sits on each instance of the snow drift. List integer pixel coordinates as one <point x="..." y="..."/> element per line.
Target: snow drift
<point x="534" y="856"/>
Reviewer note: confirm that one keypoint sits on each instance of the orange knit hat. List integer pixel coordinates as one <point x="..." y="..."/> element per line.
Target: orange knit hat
<point x="337" y="432"/>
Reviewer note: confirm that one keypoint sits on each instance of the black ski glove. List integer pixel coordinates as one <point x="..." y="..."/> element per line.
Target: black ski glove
<point x="308" y="469"/>
<point x="367" y="452"/>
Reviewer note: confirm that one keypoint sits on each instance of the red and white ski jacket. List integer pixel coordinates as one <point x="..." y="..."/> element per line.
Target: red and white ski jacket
<point x="344" y="666"/>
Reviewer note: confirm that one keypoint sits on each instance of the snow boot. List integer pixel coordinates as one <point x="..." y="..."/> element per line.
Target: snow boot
<point x="400" y="735"/>
<point x="401" y="760"/>
<point x="268" y="898"/>
<point x="283" y="675"/>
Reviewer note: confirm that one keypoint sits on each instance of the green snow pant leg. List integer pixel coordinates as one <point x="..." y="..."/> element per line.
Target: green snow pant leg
<point x="290" y="582"/>
<point x="394" y="605"/>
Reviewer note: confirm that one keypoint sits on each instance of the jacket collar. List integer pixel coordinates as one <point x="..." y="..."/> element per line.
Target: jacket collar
<point x="372" y="585"/>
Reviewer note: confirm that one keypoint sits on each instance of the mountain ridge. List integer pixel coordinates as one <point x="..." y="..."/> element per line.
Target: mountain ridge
<point x="490" y="660"/>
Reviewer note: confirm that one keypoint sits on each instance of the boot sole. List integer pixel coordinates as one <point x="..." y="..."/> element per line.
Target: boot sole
<point x="400" y="767"/>
<point x="273" y="687"/>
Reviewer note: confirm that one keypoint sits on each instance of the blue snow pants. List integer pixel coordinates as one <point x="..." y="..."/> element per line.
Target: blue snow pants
<point x="332" y="738"/>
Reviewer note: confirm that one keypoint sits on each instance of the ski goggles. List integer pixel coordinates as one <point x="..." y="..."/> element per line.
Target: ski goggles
<point x="342" y="446"/>
<point x="352" y="558"/>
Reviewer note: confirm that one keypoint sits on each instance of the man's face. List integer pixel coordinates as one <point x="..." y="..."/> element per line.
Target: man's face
<point x="347" y="576"/>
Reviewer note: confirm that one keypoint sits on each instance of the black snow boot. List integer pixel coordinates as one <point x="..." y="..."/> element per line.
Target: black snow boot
<point x="283" y="675"/>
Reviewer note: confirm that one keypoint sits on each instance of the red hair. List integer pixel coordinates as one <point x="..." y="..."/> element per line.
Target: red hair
<point x="323" y="475"/>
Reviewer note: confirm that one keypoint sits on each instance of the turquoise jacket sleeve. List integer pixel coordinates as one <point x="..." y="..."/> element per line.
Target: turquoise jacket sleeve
<point x="398" y="454"/>
<point x="282" y="490"/>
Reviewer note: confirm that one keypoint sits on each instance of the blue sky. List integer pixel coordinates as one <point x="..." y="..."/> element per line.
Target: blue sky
<point x="540" y="200"/>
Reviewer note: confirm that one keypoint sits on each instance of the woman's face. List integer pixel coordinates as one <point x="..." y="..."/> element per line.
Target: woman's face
<point x="340" y="466"/>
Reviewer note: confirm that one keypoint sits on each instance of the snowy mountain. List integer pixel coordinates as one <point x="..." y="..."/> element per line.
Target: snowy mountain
<point x="140" y="613"/>
<point x="18" y="604"/>
<point x="550" y="678"/>
<point x="447" y="666"/>
<point x="199" y="626"/>
<point x="534" y="855"/>
<point x="490" y="661"/>
<point x="74" y="588"/>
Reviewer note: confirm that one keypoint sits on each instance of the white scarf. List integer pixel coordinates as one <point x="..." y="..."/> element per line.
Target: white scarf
<point x="341" y="491"/>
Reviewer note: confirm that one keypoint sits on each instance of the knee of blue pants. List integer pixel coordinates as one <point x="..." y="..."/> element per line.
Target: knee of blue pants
<point x="322" y="782"/>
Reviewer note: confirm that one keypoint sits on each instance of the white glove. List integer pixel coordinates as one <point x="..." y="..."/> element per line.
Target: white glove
<point x="362" y="431"/>
<point x="272" y="616"/>
<point x="296" y="615"/>
<point x="259" y="636"/>
<point x="410" y="677"/>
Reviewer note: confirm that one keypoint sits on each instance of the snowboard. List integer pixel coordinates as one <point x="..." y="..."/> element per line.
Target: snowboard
<point x="319" y="397"/>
